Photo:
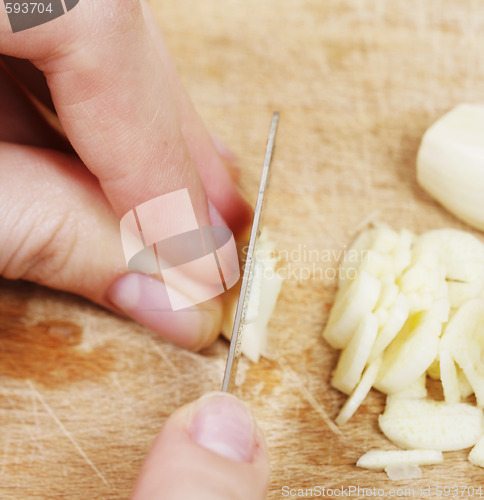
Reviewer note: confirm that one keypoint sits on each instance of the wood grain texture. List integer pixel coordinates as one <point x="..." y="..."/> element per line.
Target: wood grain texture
<point x="83" y="392"/>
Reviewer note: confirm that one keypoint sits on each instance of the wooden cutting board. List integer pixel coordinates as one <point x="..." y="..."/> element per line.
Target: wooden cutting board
<point x="83" y="392"/>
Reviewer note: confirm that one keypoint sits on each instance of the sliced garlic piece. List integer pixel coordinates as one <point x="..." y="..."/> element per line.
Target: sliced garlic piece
<point x="351" y="260"/>
<point x="410" y="353"/>
<point x="385" y="239"/>
<point x="355" y="355"/>
<point x="396" y="318"/>
<point x="476" y="456"/>
<point x="423" y="277"/>
<point x="348" y="312"/>
<point x="381" y="459"/>
<point x="450" y="162"/>
<point x="255" y="334"/>
<point x="424" y="284"/>
<point x="389" y="293"/>
<point x="264" y="290"/>
<point x="440" y="310"/>
<point x="448" y="375"/>
<point x="359" y="394"/>
<point x="464" y="337"/>
<point x="402" y="254"/>
<point x="381" y="315"/>
<point x="465" y="388"/>
<point x="433" y="371"/>
<point x="460" y="293"/>
<point x="434" y="425"/>
<point x="377" y="264"/>
<point x="416" y="390"/>
<point x="372" y="251"/>
<point x="460" y="254"/>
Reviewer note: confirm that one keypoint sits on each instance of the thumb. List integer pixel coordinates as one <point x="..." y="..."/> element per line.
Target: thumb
<point x="211" y="449"/>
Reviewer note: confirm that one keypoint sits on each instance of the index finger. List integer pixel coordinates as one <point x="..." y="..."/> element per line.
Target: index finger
<point x="113" y="100"/>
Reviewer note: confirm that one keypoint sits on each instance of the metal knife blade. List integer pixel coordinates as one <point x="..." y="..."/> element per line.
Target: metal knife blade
<point x="236" y="340"/>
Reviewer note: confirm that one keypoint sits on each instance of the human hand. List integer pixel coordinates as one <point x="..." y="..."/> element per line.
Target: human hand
<point x="208" y="450"/>
<point x="136" y="136"/>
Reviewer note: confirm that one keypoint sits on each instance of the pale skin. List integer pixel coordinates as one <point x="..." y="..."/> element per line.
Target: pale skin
<point x="130" y="133"/>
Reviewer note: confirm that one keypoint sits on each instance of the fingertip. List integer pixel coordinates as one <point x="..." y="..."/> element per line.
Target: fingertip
<point x="148" y="301"/>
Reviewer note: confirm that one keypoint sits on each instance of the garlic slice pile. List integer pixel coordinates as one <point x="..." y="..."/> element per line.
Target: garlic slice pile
<point x="263" y="291"/>
<point x="413" y="306"/>
<point x="450" y="162"/>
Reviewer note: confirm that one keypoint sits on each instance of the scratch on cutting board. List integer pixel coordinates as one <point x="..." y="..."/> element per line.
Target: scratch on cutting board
<point x="165" y="358"/>
<point x="310" y="398"/>
<point x="66" y="432"/>
<point x="21" y="419"/>
<point x="34" y="410"/>
<point x="368" y="219"/>
<point x="4" y="459"/>
<point x="37" y="443"/>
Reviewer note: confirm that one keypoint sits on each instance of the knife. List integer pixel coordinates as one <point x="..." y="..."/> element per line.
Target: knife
<point x="239" y="322"/>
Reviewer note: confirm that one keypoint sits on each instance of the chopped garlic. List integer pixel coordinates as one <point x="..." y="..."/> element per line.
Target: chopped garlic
<point x="381" y="459"/>
<point x="465" y="388"/>
<point x="355" y="355"/>
<point x="433" y="371"/>
<point x="464" y="337"/>
<point x="448" y="374"/>
<point x="409" y="354"/>
<point x="402" y="254"/>
<point x="428" y="321"/>
<point x="359" y="394"/>
<point x="416" y="390"/>
<point x="397" y="316"/>
<point x="347" y="313"/>
<point x="263" y="292"/>
<point x="352" y="259"/>
<point x="461" y="257"/>
<point x="435" y="425"/>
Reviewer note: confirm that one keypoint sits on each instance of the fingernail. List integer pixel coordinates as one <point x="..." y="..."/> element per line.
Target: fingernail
<point x="224" y="425"/>
<point x="215" y="218"/>
<point x="227" y="154"/>
<point x="146" y="300"/>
